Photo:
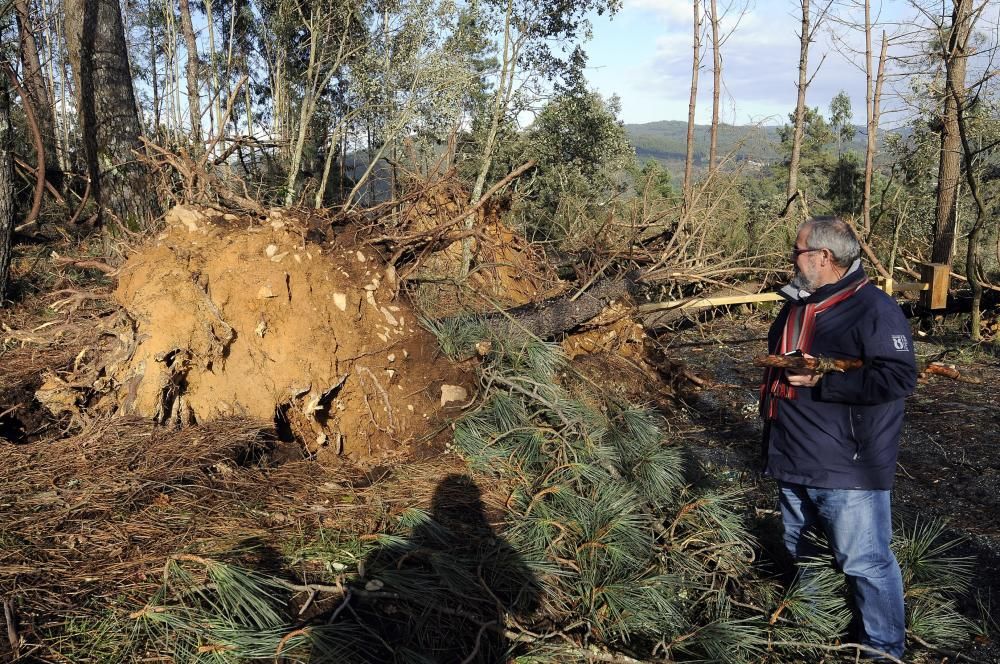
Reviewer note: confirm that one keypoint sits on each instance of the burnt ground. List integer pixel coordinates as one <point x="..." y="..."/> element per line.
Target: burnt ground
<point x="949" y="466"/>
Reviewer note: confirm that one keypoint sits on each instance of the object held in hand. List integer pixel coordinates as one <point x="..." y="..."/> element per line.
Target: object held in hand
<point x="820" y="365"/>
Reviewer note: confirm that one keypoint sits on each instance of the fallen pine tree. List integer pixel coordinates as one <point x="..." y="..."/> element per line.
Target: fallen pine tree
<point x="610" y="547"/>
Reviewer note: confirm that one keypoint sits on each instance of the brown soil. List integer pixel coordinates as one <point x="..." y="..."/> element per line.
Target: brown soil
<point x="225" y="317"/>
<point x="506" y="271"/>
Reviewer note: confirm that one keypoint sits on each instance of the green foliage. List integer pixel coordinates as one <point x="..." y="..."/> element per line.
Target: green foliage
<point x="846" y="185"/>
<point x="653" y="179"/>
<point x="106" y="636"/>
<point x="840" y="120"/>
<point x="641" y="555"/>
<point x="582" y="150"/>
<point x="933" y="577"/>
<point x="642" y="558"/>
<point x="815" y="156"/>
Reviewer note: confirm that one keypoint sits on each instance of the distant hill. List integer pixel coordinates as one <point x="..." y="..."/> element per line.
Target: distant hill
<point x="666" y="142"/>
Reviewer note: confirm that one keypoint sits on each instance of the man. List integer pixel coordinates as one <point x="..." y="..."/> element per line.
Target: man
<point x="832" y="439"/>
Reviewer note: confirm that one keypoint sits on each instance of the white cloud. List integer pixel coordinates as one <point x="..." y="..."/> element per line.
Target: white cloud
<point x="674" y="10"/>
<point x="648" y="62"/>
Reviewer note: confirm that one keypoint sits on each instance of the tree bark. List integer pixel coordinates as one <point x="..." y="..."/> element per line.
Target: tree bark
<point x="153" y="75"/>
<point x="949" y="166"/>
<point x="109" y="120"/>
<point x="214" y="91"/>
<point x="972" y="259"/>
<point x="557" y="315"/>
<point x="800" y="108"/>
<point x="38" y="90"/>
<point x="194" y="101"/>
<point x="873" y="118"/>
<point x="689" y="154"/>
<point x="716" y="85"/>
<point x="6" y="188"/>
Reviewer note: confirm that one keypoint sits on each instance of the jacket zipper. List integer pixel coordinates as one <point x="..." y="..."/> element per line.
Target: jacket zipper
<point x="854" y="435"/>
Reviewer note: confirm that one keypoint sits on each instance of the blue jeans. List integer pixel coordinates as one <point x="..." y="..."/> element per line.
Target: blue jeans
<point x="858" y="525"/>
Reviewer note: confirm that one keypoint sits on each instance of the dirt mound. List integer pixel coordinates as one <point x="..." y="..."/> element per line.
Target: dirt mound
<point x="505" y="270"/>
<point x="224" y="317"/>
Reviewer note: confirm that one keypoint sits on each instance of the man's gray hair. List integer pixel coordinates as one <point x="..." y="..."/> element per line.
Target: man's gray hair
<point x="835" y="234"/>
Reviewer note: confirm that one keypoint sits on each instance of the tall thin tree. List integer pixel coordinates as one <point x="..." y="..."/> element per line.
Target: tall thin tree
<point x="713" y="143"/>
<point x="954" y="54"/>
<point x="191" y="74"/>
<point x="807" y="33"/>
<point x="37" y="87"/>
<point x="6" y="188"/>
<point x="692" y="102"/>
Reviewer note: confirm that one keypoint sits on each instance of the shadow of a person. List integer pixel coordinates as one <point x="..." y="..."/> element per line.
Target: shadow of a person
<point x="443" y="593"/>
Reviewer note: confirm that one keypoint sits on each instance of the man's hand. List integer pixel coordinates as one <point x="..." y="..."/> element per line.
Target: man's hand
<point x="802" y="378"/>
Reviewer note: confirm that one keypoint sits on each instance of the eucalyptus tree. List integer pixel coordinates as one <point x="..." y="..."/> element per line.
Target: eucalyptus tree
<point x="192" y="74"/>
<point x="840" y="120"/>
<point x="692" y="102"/>
<point x="329" y="34"/>
<point x="414" y="79"/>
<point x="527" y="31"/>
<point x="953" y="50"/>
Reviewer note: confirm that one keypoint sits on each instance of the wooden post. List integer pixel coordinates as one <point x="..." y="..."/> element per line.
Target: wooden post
<point x="885" y="283"/>
<point x="938" y="277"/>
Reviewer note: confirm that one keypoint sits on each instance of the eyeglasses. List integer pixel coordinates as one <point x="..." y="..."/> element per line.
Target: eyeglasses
<point x="796" y="252"/>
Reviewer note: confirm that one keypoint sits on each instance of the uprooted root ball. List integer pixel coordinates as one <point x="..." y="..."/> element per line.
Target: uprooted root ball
<point x="225" y="317"/>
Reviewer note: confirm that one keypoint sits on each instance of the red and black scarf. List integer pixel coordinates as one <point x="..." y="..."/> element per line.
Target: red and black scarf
<point x="800" y="326"/>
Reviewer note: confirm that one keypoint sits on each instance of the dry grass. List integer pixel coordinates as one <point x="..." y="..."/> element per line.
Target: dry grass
<point x="89" y="521"/>
<point x="45" y="336"/>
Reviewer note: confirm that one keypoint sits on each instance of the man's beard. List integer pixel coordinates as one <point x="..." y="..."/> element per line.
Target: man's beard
<point x="801" y="281"/>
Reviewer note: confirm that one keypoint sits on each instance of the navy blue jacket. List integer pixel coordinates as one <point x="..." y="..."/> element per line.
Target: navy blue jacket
<point x="844" y="432"/>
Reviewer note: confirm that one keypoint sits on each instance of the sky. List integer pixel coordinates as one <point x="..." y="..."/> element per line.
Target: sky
<point x="643" y="55"/>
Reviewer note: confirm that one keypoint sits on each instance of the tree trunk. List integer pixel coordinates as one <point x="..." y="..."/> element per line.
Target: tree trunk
<point x="949" y="166"/>
<point x="873" y="118"/>
<point x="194" y="101"/>
<point x="38" y="90"/>
<point x="549" y="318"/>
<point x="154" y="76"/>
<point x="214" y="91"/>
<point x="689" y="155"/>
<point x="500" y="101"/>
<point x="6" y="188"/>
<point x="869" y="95"/>
<point x="972" y="259"/>
<point x="109" y="121"/>
<point x="716" y="86"/>
<point x="800" y="109"/>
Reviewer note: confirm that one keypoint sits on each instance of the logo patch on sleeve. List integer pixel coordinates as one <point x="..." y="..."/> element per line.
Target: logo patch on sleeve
<point x="900" y="343"/>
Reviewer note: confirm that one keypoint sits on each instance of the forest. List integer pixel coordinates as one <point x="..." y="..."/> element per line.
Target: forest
<point x="368" y="331"/>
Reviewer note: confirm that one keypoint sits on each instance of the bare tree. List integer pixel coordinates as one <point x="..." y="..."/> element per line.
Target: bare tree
<point x="874" y="113"/>
<point x="716" y="85"/>
<point x="807" y="33"/>
<point x="194" y="102"/>
<point x="692" y="102"/>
